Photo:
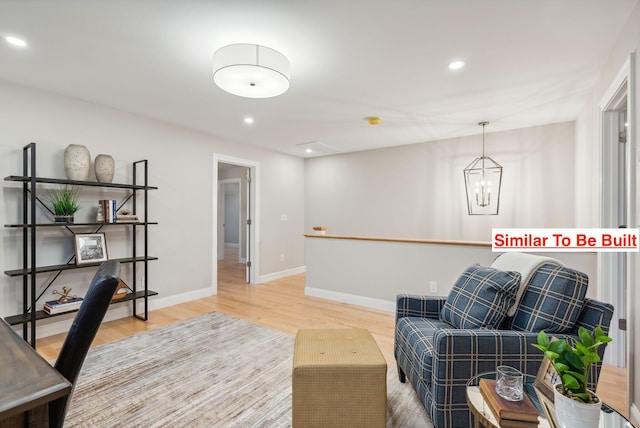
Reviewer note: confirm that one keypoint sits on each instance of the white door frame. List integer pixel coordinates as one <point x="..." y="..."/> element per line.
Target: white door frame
<point x="254" y="214"/>
<point x="623" y="84"/>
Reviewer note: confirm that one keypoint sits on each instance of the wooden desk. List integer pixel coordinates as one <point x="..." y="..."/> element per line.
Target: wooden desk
<point x="27" y="382"/>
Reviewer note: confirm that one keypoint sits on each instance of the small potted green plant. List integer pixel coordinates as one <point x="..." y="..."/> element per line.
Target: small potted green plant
<point x="575" y="404"/>
<point x="65" y="203"/>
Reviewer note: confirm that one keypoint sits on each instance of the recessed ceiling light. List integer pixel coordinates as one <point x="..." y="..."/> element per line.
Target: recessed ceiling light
<point x="309" y="150"/>
<point x="15" y="41"/>
<point x="456" y="65"/>
<point x="248" y="120"/>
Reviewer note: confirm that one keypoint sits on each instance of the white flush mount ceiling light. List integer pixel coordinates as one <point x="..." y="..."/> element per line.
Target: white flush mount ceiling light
<point x="251" y="71"/>
<point x="456" y="65"/>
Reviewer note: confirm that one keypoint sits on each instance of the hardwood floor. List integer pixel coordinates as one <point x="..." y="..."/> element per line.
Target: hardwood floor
<point x="282" y="305"/>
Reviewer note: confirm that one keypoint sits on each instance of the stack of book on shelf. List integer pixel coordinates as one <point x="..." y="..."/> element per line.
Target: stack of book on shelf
<point x="108" y="210"/>
<point x="509" y="413"/>
<point x="126" y="218"/>
<point x="55" y="307"/>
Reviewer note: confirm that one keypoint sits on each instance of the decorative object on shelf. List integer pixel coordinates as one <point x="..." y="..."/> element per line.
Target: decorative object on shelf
<point x="54" y="307"/>
<point x="105" y="168"/>
<point x="100" y="214"/>
<point x="121" y="292"/>
<point x="124" y="216"/>
<point x="77" y="162"/>
<point x="575" y="405"/>
<point x="251" y="71"/>
<point x="90" y="248"/>
<point x="64" y="296"/>
<point x="65" y="203"/>
<point x="320" y="230"/>
<point x="482" y="181"/>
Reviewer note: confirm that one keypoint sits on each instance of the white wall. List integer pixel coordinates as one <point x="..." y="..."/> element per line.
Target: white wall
<point x="180" y="165"/>
<point x="417" y="191"/>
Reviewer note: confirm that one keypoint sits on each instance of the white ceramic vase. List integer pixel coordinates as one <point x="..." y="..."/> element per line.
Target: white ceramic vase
<point x="77" y="162"/>
<point x="572" y="414"/>
<point x="105" y="168"/>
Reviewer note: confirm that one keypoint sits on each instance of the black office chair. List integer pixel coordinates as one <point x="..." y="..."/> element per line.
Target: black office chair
<point x="82" y="332"/>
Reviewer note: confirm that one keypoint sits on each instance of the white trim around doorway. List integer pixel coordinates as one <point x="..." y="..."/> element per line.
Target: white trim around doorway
<point x="622" y="350"/>
<point x="254" y="214"/>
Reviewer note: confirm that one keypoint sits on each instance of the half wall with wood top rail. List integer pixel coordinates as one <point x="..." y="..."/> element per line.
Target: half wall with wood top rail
<point x="371" y="271"/>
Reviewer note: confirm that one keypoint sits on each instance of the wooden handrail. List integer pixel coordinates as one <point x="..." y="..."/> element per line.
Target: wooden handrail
<point x="403" y="240"/>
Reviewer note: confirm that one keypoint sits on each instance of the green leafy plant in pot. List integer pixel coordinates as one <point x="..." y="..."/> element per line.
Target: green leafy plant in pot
<point x="65" y="203"/>
<point x="573" y="362"/>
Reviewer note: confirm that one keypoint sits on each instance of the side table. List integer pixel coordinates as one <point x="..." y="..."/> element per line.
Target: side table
<point x="484" y="417"/>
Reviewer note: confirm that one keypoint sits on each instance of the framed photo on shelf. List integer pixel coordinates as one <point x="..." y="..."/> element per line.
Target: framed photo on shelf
<point x="90" y="248"/>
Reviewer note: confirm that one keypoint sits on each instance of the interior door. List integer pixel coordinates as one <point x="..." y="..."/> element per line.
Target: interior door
<point x="249" y="228"/>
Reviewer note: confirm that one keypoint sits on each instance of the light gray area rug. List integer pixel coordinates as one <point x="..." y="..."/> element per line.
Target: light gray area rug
<point x="210" y="371"/>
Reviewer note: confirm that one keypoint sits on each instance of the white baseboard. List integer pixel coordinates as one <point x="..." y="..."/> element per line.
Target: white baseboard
<point x="116" y="311"/>
<point x="277" y="275"/>
<point x="369" y="302"/>
<point x="158" y="302"/>
<point x="635" y="415"/>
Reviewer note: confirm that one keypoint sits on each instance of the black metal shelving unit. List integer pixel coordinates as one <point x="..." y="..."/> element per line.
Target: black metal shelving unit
<point x="30" y="269"/>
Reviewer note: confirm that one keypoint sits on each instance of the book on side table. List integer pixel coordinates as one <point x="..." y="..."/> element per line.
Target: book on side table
<point x="509" y="413"/>
<point x="54" y="307"/>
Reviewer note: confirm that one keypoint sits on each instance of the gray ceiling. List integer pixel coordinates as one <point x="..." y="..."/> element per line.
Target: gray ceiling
<point x="529" y="62"/>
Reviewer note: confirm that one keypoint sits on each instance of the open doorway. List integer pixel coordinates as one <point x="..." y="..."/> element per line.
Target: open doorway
<point x="234" y="225"/>
<point x="235" y="210"/>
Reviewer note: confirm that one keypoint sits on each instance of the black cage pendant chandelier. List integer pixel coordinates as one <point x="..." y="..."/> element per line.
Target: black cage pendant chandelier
<point x="482" y="180"/>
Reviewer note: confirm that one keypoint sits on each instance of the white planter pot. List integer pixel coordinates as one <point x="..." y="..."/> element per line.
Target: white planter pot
<point x="573" y="414"/>
<point x="77" y="161"/>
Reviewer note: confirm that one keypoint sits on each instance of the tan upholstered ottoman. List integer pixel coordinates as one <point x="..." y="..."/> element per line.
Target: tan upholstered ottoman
<point x="339" y="380"/>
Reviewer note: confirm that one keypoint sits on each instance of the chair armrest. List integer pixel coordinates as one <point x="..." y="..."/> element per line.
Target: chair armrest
<point x="461" y="354"/>
<point x="465" y="353"/>
<point x="408" y="305"/>
<point x="594" y="313"/>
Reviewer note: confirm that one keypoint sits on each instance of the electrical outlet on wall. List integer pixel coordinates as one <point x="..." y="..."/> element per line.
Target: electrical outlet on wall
<point x="433" y="286"/>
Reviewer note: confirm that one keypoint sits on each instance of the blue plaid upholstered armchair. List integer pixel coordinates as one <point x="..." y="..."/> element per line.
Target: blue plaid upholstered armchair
<point x="440" y="343"/>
